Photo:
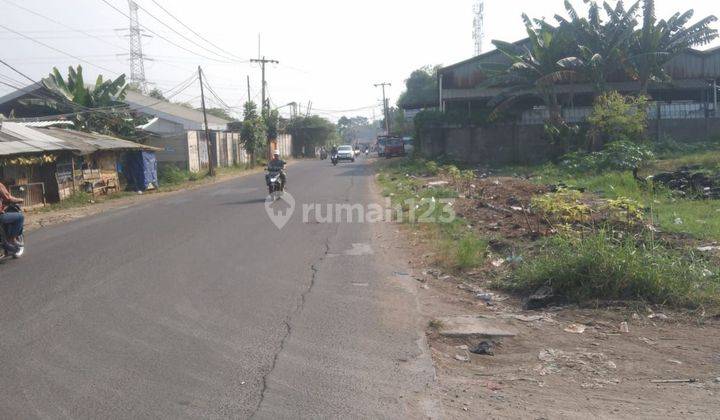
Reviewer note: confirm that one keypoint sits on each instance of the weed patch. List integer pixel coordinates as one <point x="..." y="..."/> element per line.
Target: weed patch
<point x="605" y="265"/>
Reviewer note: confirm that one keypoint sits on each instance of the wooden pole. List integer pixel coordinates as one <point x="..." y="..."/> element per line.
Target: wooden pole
<point x="210" y="145"/>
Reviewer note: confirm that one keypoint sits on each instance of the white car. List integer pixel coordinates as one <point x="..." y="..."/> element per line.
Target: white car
<point x="346" y="153"/>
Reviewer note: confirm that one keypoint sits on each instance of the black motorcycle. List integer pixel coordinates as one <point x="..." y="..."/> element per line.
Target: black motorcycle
<point x="274" y="181"/>
<point x="334" y="159"/>
<point x="7" y="251"/>
<point x="323" y="155"/>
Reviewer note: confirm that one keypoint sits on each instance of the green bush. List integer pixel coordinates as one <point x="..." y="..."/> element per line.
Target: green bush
<point x="171" y="174"/>
<point x="618" y="155"/>
<point x="603" y="266"/>
<point x="618" y="118"/>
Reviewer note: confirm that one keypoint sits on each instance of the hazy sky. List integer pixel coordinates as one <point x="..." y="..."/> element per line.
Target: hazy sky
<point x="330" y="52"/>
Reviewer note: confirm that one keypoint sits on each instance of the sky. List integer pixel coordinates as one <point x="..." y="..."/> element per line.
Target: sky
<point x="331" y="53"/>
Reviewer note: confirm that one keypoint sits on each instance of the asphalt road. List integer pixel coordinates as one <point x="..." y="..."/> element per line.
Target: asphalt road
<point x="196" y="305"/>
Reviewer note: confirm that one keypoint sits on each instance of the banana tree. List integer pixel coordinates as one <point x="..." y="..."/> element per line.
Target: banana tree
<point x="659" y="42"/>
<point x="104" y="93"/>
<point x="602" y="51"/>
<point x="534" y="70"/>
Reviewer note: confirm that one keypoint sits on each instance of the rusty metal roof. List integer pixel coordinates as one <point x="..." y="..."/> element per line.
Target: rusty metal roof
<point x="21" y="138"/>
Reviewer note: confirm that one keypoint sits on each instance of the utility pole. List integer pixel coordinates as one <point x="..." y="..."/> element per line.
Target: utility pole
<point x="211" y="155"/>
<point x="385" y="106"/>
<point x="248" y="86"/>
<point x="262" y="62"/>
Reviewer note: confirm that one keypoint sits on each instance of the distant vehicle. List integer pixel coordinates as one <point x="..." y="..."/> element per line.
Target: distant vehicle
<point x="381" y="146"/>
<point x="394" y="147"/>
<point x="346" y="152"/>
<point x="409" y="146"/>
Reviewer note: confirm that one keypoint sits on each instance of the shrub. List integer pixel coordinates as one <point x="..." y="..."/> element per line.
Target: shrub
<point x="618" y="118"/>
<point x="563" y="206"/>
<point x="171" y="174"/>
<point x="602" y="266"/>
<point x="618" y="155"/>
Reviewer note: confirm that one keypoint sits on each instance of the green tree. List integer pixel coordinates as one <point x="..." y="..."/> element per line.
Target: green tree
<point x="272" y="122"/>
<point x="617" y="118"/>
<point x="78" y="97"/>
<point x="253" y="132"/>
<point x="421" y="88"/>
<point x="535" y="70"/>
<point x="659" y="42"/>
<point x="311" y="132"/>
<point x="157" y="94"/>
<point x="602" y="48"/>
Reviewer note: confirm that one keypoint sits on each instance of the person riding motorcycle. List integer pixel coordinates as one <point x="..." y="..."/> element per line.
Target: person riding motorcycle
<point x="14" y="221"/>
<point x="276" y="165"/>
<point x="334" y="150"/>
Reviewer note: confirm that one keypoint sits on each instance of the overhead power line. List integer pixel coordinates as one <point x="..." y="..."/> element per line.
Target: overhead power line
<point x="193" y="31"/>
<point x="57" y="22"/>
<point x="58" y="50"/>
<point x="164" y="38"/>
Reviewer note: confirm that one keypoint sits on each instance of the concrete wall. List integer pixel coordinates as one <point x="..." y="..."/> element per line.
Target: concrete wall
<point x="505" y="144"/>
<point x="497" y="145"/>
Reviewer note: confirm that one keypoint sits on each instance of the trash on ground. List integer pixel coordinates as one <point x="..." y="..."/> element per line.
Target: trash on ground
<point x="437" y="183"/>
<point x="575" y="328"/>
<point x="484" y="348"/>
<point x="674" y="381"/>
<point x="470" y="326"/>
<point x="485" y="297"/>
<point x="624" y="327"/>
<point x="677" y="362"/>
<point x="498" y="262"/>
<point x="542" y="298"/>
<point x="709" y="248"/>
<point x="659" y="316"/>
<point x="461" y="358"/>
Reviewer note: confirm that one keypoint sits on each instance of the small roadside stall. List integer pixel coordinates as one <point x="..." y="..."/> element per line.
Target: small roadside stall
<point x="42" y="163"/>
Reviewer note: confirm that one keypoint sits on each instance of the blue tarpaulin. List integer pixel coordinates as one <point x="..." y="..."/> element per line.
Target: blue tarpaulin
<point x="141" y="170"/>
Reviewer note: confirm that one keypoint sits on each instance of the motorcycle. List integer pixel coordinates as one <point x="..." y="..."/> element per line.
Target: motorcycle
<point x="323" y="155"/>
<point x="6" y="252"/>
<point x="274" y="181"/>
<point x="334" y="159"/>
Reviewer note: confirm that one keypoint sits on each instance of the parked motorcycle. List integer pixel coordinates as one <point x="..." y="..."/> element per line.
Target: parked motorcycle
<point x="334" y="159"/>
<point x="6" y="252"/>
<point x="274" y="181"/>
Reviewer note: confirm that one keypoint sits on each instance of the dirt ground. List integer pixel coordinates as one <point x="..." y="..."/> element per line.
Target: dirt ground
<point x="545" y="372"/>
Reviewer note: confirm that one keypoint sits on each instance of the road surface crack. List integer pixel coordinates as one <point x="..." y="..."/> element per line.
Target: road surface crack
<point x="314" y="267"/>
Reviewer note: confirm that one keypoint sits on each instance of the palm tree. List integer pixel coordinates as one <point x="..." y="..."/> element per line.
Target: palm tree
<point x="659" y="42"/>
<point x="533" y="70"/>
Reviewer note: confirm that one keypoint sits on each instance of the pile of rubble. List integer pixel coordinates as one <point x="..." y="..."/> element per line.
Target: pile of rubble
<point x="691" y="182"/>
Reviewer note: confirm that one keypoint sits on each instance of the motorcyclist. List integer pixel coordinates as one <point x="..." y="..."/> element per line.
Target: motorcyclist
<point x="14" y="221"/>
<point x="276" y="165"/>
<point x="334" y="150"/>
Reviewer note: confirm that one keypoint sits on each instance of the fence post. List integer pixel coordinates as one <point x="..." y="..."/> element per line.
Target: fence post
<point x="657" y="122"/>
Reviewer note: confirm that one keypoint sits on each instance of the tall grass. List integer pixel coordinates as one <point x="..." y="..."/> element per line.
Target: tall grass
<point x="601" y="266"/>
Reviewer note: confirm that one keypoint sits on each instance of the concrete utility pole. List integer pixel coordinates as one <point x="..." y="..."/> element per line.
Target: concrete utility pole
<point x="385" y="106"/>
<point x="211" y="154"/>
<point x="248" y="85"/>
<point x="262" y="62"/>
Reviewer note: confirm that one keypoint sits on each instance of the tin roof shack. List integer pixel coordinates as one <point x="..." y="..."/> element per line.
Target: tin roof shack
<point x="176" y="130"/>
<point x="47" y="164"/>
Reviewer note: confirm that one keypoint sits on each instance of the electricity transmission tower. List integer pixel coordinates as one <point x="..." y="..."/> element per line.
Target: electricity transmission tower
<point x="478" y="25"/>
<point x="137" y="59"/>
